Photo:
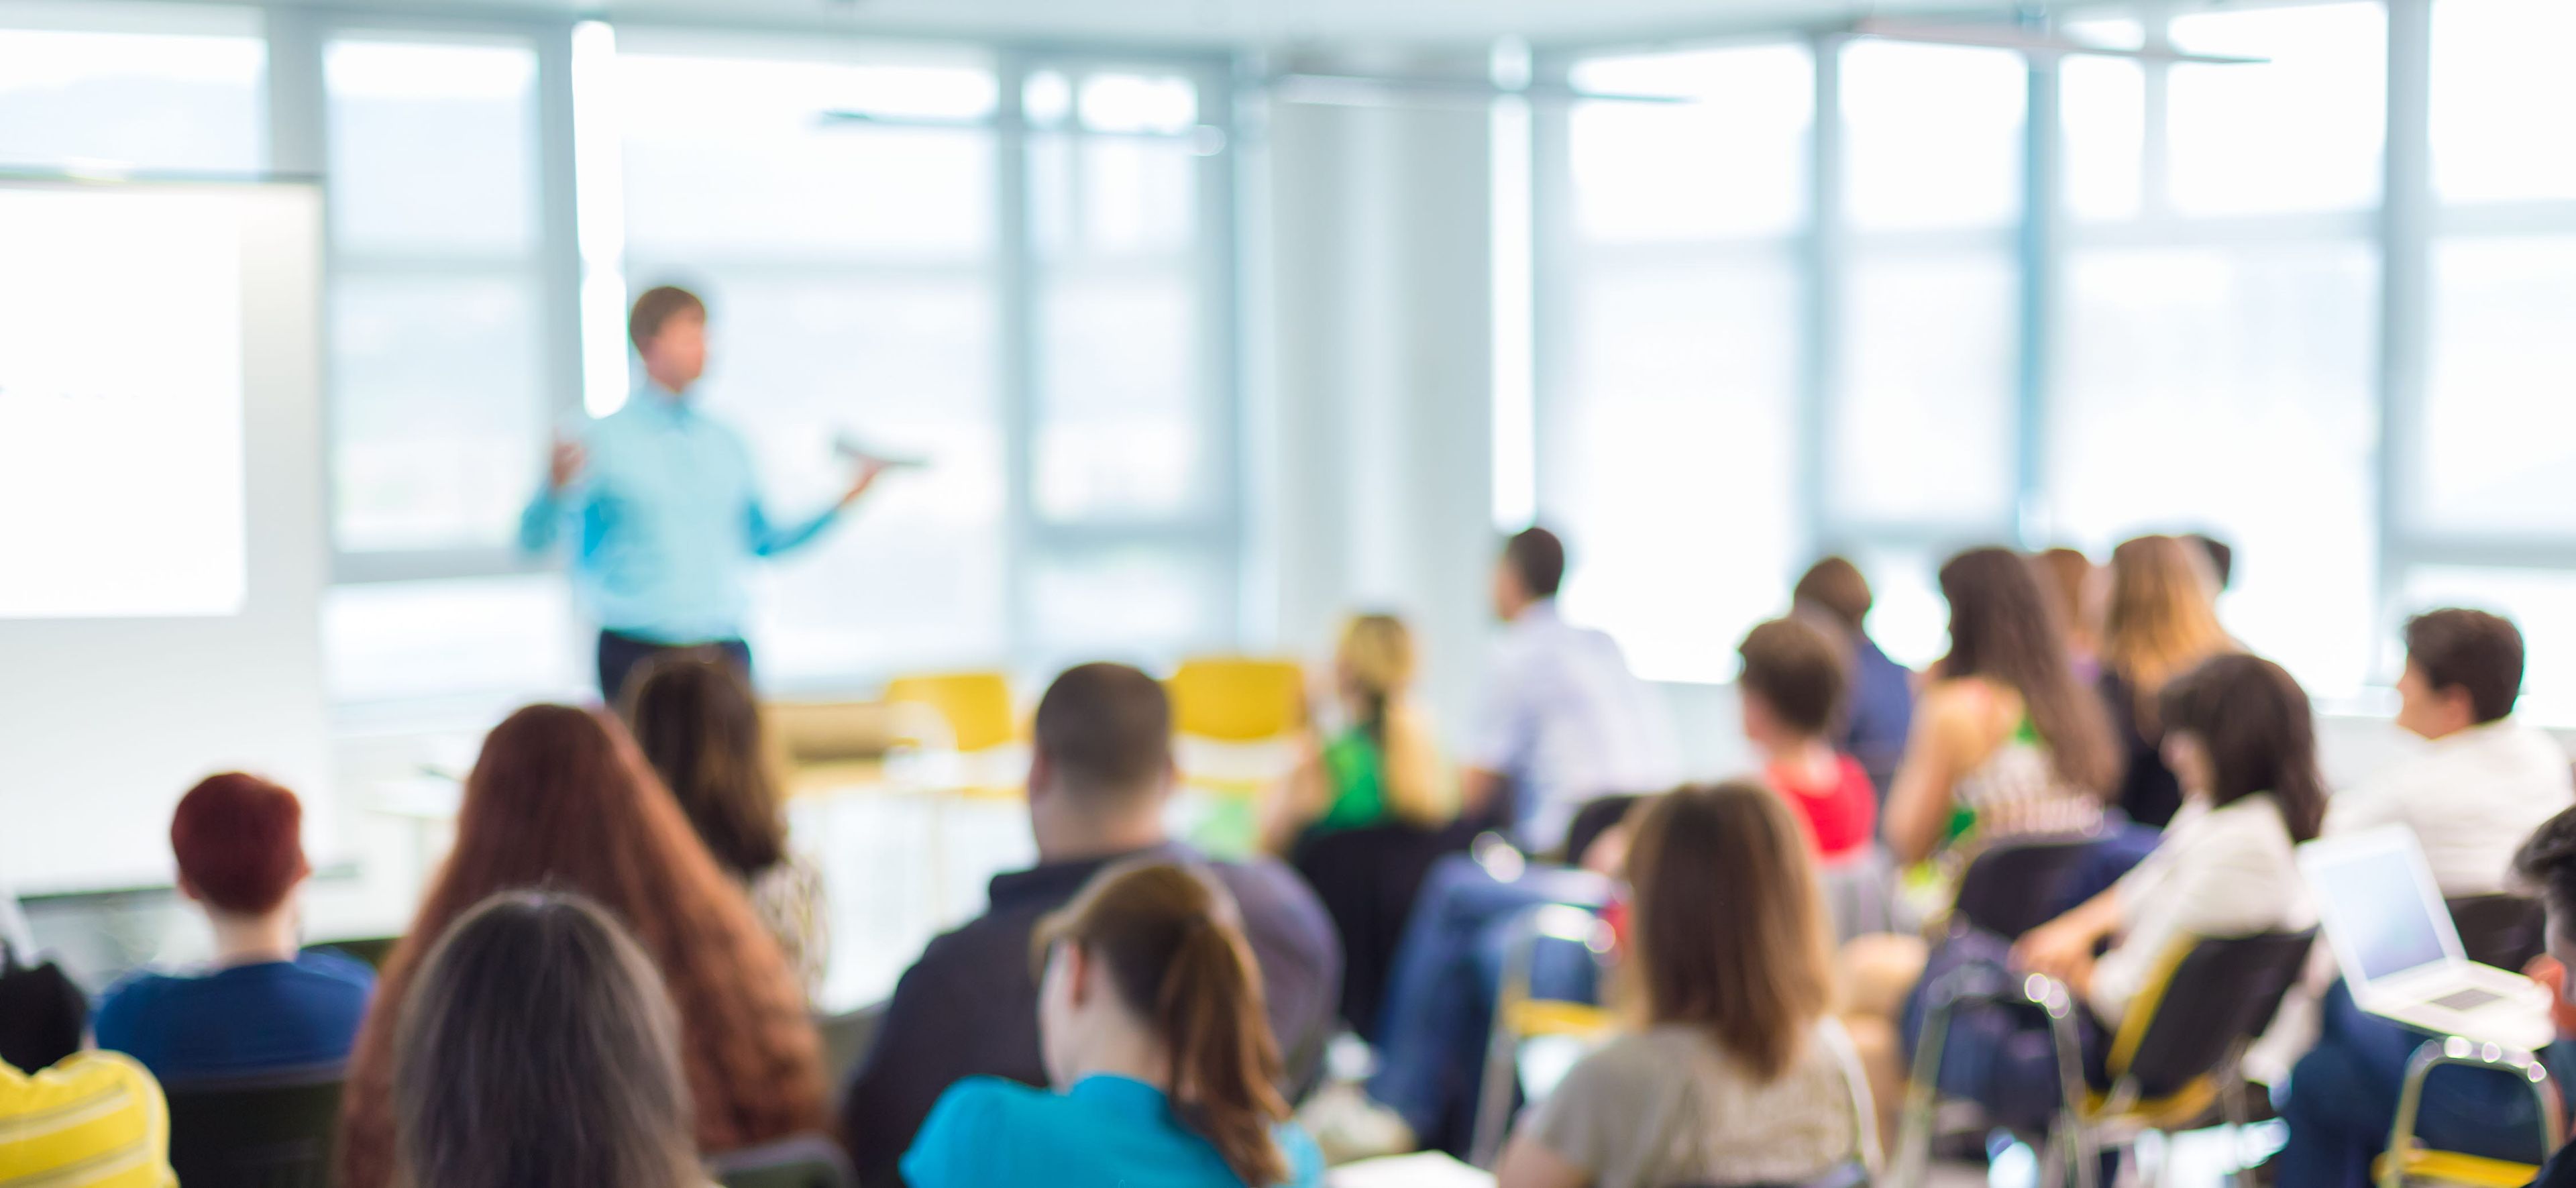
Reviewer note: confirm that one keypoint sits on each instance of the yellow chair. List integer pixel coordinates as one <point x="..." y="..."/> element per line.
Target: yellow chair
<point x="975" y="705"/>
<point x="826" y="746"/>
<point x="1520" y="1018"/>
<point x="2407" y="1161"/>
<point x="974" y="711"/>
<point x="1237" y="699"/>
<point x="1234" y="716"/>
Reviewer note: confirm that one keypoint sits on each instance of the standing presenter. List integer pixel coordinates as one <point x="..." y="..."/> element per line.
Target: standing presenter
<point x="662" y="508"/>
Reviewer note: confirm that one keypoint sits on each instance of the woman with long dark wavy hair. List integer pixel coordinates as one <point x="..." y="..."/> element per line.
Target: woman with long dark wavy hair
<point x="561" y="799"/>
<point x="698" y="724"/>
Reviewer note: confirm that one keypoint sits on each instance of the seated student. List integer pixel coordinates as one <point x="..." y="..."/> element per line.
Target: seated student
<point x="2547" y="863"/>
<point x="261" y="1005"/>
<point x="537" y="1047"/>
<point x="1735" y="1077"/>
<point x="560" y="799"/>
<point x="93" y="1120"/>
<point x="1100" y="775"/>
<point x="1882" y="691"/>
<point x="2066" y="579"/>
<point x="1158" y="1048"/>
<point x="1384" y="766"/>
<point x="1792" y="687"/>
<point x="699" y="726"/>
<point x="1562" y="721"/>
<point x="1792" y="691"/>
<point x="2162" y="619"/>
<point x="2488" y="779"/>
<point x="2239" y="732"/>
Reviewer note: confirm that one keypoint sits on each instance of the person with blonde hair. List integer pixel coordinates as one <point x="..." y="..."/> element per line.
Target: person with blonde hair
<point x="1158" y="1048"/>
<point x="1384" y="766"/>
<point x="1738" y="1072"/>
<point x="2161" y="621"/>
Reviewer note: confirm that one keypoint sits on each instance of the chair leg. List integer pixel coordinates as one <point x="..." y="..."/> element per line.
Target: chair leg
<point x="1911" y="1163"/>
<point x="1494" y="1101"/>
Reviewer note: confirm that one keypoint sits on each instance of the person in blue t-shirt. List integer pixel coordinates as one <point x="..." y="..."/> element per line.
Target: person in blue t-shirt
<point x="1157" y="1043"/>
<point x="261" y="1006"/>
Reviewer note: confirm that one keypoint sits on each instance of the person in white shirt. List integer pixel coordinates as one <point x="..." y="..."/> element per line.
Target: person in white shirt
<point x="2239" y="734"/>
<point x="1563" y="721"/>
<point x="2488" y="780"/>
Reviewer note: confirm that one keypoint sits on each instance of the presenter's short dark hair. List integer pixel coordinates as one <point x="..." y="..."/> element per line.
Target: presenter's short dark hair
<point x="1107" y="728"/>
<point x="657" y="306"/>
<point x="1537" y="558"/>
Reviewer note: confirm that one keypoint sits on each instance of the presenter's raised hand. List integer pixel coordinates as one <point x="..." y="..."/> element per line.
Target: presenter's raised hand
<point x="565" y="464"/>
<point x="864" y="478"/>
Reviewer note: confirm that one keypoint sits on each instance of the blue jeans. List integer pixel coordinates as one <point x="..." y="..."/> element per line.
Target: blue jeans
<point x="2342" y="1100"/>
<point x="1448" y="968"/>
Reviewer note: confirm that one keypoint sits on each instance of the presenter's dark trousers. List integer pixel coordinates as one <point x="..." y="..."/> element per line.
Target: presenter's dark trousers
<point x="622" y="656"/>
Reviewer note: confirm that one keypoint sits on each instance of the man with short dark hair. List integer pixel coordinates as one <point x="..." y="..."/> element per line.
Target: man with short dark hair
<point x="662" y="507"/>
<point x="1882" y="696"/>
<point x="1563" y="721"/>
<point x="1100" y="774"/>
<point x="2488" y="780"/>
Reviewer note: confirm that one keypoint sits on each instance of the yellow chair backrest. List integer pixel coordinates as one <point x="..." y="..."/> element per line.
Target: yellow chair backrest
<point x="1237" y="698"/>
<point x="976" y="705"/>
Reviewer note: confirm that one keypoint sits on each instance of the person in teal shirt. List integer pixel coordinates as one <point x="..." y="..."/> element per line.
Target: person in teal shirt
<point x="1148" y="981"/>
<point x="663" y="509"/>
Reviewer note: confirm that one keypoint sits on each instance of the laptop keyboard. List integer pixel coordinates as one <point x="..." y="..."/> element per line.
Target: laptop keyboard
<point x="2466" y="1000"/>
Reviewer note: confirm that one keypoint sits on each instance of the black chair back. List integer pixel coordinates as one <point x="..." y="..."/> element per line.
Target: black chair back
<point x="798" y="1161"/>
<point x="272" y="1130"/>
<point x="2499" y="930"/>
<point x="2222" y="992"/>
<point x="2016" y="885"/>
<point x="1368" y="879"/>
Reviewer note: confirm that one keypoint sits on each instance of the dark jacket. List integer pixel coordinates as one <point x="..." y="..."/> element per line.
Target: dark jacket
<point x="1882" y="710"/>
<point x="2149" y="792"/>
<point x="969" y="1007"/>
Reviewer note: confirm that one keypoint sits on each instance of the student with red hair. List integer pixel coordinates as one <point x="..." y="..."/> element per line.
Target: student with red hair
<point x="562" y="801"/>
<point x="261" y="1005"/>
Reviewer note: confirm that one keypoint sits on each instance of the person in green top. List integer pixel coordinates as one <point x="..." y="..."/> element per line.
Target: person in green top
<point x="1383" y="766"/>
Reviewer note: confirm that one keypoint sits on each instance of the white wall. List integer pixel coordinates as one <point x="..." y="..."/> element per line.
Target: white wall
<point x="1378" y="392"/>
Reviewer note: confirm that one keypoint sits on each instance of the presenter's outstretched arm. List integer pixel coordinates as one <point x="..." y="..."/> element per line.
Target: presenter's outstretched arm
<point x="769" y="540"/>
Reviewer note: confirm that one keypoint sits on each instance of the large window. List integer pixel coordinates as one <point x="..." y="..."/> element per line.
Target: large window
<point x="2216" y="341"/>
<point x="2233" y="286"/>
<point x="1669" y="451"/>
<point x="114" y="89"/>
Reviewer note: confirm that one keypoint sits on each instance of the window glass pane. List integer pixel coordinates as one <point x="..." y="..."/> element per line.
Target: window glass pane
<point x="2501" y="93"/>
<point x="439" y="413"/>
<point x="2541" y="602"/>
<point x="1730" y="162"/>
<point x="2230" y="390"/>
<point x="736" y="155"/>
<point x="513" y="637"/>
<point x="913" y="578"/>
<point x="1908" y="619"/>
<point x="433" y="146"/>
<point x="178" y="101"/>
<point x="2102" y="115"/>
<point x="1924" y="429"/>
<point x="1120" y="422"/>
<point x="1686" y="542"/>
<point x="2301" y="131"/>
<point x="1138" y="103"/>
<point x="2499" y="428"/>
<point x="1933" y="134"/>
<point x="1107" y="196"/>
<point x="1142" y="604"/>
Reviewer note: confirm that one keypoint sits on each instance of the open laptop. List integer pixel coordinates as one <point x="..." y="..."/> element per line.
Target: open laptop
<point x="2400" y="954"/>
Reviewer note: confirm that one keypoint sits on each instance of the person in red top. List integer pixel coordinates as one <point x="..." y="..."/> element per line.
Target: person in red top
<point x="1793" y="687"/>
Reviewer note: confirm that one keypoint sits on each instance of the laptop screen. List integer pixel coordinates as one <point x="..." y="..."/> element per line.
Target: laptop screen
<point x="2378" y="911"/>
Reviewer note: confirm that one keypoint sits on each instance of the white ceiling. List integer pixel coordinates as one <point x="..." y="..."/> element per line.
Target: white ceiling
<point x="1259" y="22"/>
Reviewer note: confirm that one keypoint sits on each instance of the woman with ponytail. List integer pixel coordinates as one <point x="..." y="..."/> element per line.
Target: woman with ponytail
<point x="1384" y="766"/>
<point x="1165" y="1073"/>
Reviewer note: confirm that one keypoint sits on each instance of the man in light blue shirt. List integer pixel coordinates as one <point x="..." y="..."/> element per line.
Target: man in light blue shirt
<point x="663" y="509"/>
<point x="1562" y="720"/>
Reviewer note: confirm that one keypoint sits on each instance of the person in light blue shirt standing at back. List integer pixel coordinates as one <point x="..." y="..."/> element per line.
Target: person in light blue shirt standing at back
<point x="1165" y="1071"/>
<point x="663" y="509"/>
